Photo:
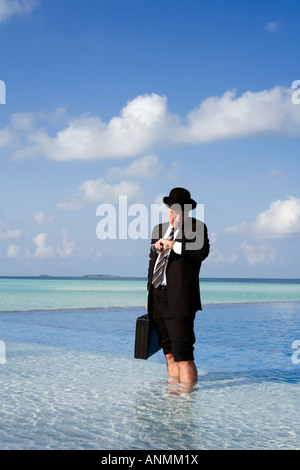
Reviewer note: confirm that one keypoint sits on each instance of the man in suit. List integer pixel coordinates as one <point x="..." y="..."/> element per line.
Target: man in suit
<point x="177" y="250"/>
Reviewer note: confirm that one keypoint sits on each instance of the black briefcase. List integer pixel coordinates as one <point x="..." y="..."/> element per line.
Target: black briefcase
<point x="146" y="338"/>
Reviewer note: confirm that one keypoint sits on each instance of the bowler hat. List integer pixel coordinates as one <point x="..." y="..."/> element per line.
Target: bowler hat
<point x="180" y="197"/>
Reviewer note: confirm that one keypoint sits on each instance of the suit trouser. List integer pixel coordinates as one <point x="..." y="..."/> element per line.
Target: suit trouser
<point x="176" y="333"/>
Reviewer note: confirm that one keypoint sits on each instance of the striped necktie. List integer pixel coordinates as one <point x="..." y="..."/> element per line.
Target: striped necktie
<point x="159" y="268"/>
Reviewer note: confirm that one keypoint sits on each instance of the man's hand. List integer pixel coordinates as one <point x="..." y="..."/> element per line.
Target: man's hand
<point x="163" y="245"/>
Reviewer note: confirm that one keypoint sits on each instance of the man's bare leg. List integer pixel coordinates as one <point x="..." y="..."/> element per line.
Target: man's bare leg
<point x="183" y="372"/>
<point x="188" y="372"/>
<point x="188" y="377"/>
<point x="173" y="369"/>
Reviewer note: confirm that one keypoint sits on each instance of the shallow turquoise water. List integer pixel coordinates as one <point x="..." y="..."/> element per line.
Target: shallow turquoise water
<point x="36" y="294"/>
<point x="70" y="382"/>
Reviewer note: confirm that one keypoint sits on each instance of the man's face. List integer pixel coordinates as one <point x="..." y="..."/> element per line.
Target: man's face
<point x="177" y="217"/>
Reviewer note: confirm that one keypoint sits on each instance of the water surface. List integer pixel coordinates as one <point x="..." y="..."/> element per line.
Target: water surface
<point x="70" y="382"/>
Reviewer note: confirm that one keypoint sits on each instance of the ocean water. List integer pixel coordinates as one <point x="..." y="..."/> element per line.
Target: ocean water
<point x="69" y="379"/>
<point x="49" y="294"/>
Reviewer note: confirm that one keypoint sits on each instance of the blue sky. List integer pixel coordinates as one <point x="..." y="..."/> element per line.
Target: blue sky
<point x="109" y="98"/>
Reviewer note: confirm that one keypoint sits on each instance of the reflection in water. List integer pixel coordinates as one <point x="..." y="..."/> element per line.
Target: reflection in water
<point x="164" y="419"/>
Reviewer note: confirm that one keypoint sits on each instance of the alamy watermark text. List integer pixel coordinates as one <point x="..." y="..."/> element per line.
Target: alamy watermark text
<point x="2" y="92"/>
<point x="136" y="221"/>
<point x="296" y="93"/>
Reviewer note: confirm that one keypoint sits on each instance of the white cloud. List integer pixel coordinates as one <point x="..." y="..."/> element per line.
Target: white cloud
<point x="10" y="234"/>
<point x="72" y="202"/>
<point x="277" y="174"/>
<point x="39" y="217"/>
<point x="23" y="121"/>
<point x="256" y="255"/>
<point x="146" y="167"/>
<point x="99" y="191"/>
<point x="9" y="8"/>
<point x="7" y="233"/>
<point x="213" y="237"/>
<point x="145" y="123"/>
<point x="252" y="114"/>
<point x="271" y="26"/>
<point x="42" y="251"/>
<point x="27" y="121"/>
<point x="218" y="258"/>
<point x="282" y="219"/>
<point x="67" y="247"/>
<point x="159" y="199"/>
<point x="140" y="125"/>
<point x="6" y="137"/>
<point x="238" y="228"/>
<point x="13" y="251"/>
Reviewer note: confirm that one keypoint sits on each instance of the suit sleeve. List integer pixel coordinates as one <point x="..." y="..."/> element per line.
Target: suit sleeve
<point x="149" y="270"/>
<point x="156" y="235"/>
<point x="195" y="244"/>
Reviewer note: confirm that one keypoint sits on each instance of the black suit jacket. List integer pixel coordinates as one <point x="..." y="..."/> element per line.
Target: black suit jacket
<point x="182" y="271"/>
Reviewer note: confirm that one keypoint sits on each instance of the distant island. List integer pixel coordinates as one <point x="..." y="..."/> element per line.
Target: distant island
<point x="86" y="276"/>
<point x="92" y="277"/>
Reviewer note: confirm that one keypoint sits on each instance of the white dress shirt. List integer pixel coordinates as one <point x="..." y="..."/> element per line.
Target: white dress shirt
<point x="176" y="248"/>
